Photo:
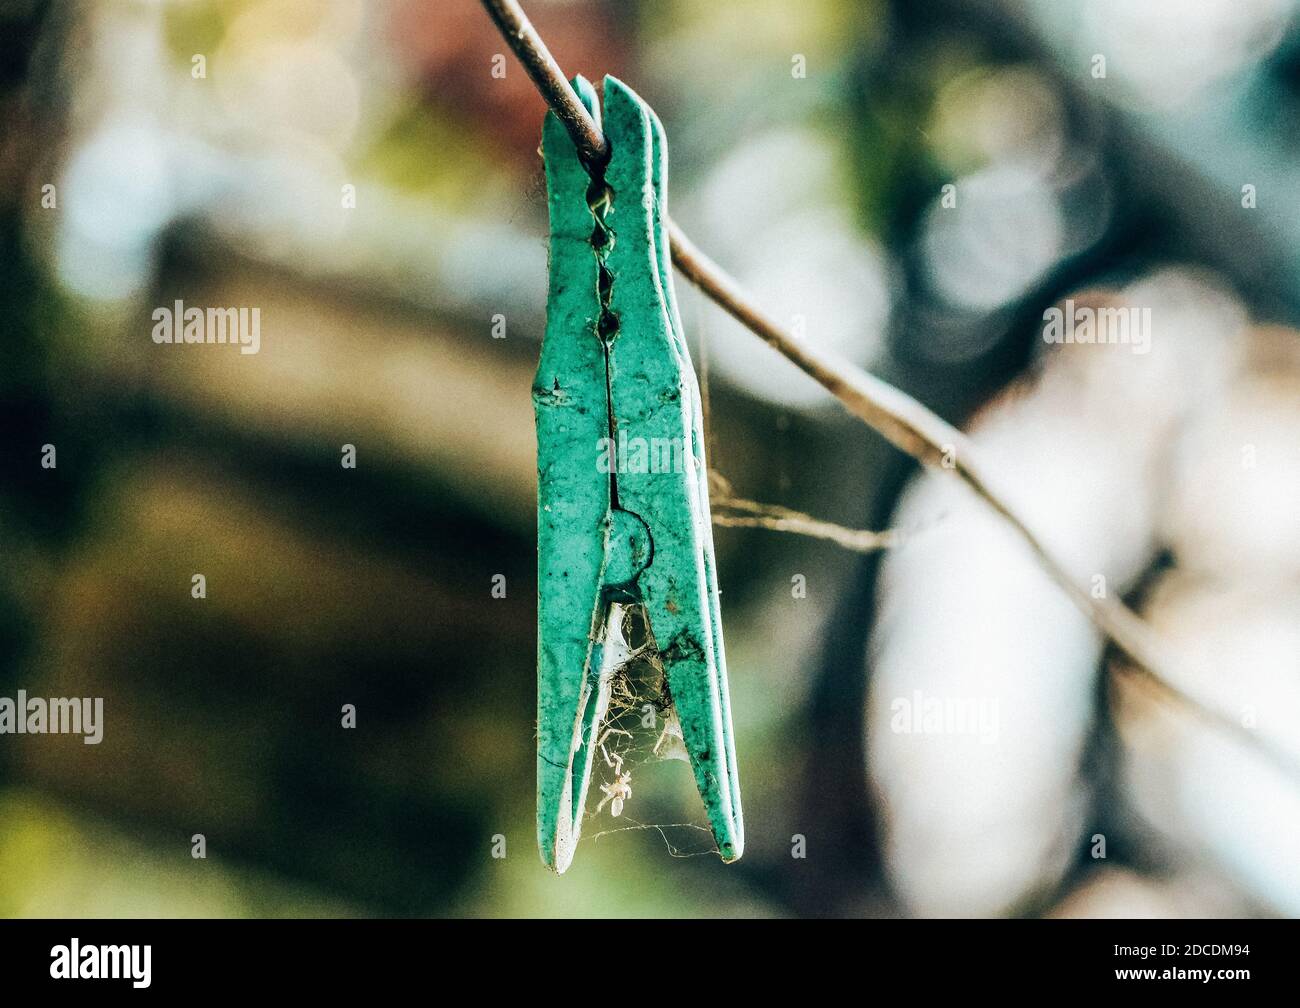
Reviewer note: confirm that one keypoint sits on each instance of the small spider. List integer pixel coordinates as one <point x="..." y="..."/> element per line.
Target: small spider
<point x="620" y="790"/>
<point x="616" y="794"/>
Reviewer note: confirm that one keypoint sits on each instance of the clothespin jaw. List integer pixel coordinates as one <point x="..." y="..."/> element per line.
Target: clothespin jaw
<point x="570" y="400"/>
<point x="615" y="366"/>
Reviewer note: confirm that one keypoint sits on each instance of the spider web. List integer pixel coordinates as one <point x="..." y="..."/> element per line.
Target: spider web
<point x="639" y="727"/>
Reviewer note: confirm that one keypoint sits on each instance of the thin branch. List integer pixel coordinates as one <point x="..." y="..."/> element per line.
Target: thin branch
<point x="901" y="420"/>
<point x="549" y="78"/>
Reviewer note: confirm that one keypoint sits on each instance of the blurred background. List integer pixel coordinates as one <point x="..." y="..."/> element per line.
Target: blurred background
<point x="911" y="182"/>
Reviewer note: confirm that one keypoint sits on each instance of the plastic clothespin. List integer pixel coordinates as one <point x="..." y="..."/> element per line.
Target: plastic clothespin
<point x="615" y="368"/>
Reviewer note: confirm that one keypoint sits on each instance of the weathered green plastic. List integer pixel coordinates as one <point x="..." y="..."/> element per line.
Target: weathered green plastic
<point x="638" y="535"/>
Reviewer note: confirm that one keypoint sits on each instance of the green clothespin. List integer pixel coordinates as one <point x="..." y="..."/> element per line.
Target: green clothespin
<point x="615" y="368"/>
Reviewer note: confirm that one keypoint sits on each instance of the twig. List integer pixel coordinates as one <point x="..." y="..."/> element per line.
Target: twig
<point x="549" y="78"/>
<point x="901" y="420"/>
